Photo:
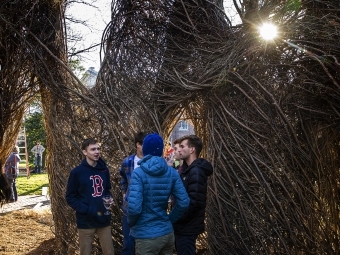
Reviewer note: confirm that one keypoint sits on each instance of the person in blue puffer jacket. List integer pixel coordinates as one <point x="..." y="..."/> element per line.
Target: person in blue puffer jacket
<point x="150" y="187"/>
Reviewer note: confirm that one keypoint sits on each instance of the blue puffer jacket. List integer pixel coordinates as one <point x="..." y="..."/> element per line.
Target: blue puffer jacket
<point x="149" y="190"/>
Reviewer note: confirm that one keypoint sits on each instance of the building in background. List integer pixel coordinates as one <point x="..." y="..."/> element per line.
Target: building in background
<point x="89" y="78"/>
<point x="182" y="128"/>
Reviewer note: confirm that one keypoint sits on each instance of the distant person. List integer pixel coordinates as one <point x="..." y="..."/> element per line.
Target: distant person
<point x="38" y="151"/>
<point x="178" y="162"/>
<point x="194" y="174"/>
<point x="128" y="165"/>
<point x="5" y="189"/>
<point x="149" y="190"/>
<point x="12" y="172"/>
<point x="87" y="184"/>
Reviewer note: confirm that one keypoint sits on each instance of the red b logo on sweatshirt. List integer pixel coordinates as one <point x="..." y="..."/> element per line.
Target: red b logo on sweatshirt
<point x="97" y="184"/>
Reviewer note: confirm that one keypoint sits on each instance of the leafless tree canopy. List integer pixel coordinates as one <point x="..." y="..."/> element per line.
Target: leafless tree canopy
<point x="268" y="112"/>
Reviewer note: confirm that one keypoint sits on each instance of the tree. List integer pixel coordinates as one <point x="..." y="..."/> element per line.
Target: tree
<point x="35" y="131"/>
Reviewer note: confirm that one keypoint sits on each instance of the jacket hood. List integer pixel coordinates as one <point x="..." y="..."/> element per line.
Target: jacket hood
<point x="100" y="164"/>
<point x="153" y="165"/>
<point x="202" y="163"/>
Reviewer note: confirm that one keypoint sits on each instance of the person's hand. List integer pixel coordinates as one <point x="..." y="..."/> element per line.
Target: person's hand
<point x="170" y="160"/>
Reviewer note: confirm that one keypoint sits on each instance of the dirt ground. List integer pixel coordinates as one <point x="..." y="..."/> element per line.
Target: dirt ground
<point x="30" y="232"/>
<point x="27" y="232"/>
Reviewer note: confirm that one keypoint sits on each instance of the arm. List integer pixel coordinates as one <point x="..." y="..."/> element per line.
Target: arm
<point x="135" y="199"/>
<point x="123" y="180"/>
<point x="182" y="199"/>
<point x="196" y="192"/>
<point x="42" y="149"/>
<point x="17" y="161"/>
<point x="72" y="195"/>
<point x="108" y="184"/>
<point x="33" y="149"/>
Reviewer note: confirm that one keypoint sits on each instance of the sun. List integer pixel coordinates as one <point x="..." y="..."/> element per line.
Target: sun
<point x="268" y="31"/>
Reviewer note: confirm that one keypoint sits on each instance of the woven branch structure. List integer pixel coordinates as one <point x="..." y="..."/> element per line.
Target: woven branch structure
<point x="268" y="112"/>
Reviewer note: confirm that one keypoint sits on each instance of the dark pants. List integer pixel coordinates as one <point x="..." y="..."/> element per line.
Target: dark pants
<point x="185" y="245"/>
<point x="14" y="193"/>
<point x="37" y="164"/>
<point x="128" y="241"/>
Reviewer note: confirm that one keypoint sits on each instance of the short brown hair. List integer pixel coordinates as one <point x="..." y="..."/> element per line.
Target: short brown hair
<point x="87" y="142"/>
<point x="139" y="137"/>
<point x="193" y="141"/>
<point x="177" y="141"/>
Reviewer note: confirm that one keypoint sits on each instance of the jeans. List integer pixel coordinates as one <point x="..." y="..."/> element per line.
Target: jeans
<point x="185" y="245"/>
<point x="86" y="238"/>
<point x="162" y="245"/>
<point x="128" y="240"/>
<point x="37" y="164"/>
<point x="14" y="193"/>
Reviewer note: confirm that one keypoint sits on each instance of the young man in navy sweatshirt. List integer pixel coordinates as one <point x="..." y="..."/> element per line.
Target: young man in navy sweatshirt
<point x="87" y="184"/>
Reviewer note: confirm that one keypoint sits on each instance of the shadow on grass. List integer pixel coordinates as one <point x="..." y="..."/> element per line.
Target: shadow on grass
<point x="32" y="191"/>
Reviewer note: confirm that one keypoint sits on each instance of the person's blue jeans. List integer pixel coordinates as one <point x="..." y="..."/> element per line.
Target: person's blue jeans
<point x="37" y="164"/>
<point x="185" y="245"/>
<point x="128" y="240"/>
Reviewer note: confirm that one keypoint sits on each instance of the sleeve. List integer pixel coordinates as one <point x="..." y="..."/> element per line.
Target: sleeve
<point x="135" y="199"/>
<point x="123" y="180"/>
<point x="72" y="195"/>
<point x="196" y="193"/>
<point x="181" y="198"/>
<point x="33" y="149"/>
<point x="18" y="159"/>
<point x="42" y="149"/>
<point x="108" y="184"/>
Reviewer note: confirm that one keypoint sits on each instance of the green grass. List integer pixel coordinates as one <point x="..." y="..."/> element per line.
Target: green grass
<point x="33" y="185"/>
<point x="22" y="165"/>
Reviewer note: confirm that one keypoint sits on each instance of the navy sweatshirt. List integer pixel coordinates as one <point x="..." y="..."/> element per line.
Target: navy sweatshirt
<point x="85" y="188"/>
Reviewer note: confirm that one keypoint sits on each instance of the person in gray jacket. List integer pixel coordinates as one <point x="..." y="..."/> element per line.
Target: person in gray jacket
<point x="38" y="151"/>
<point x="150" y="187"/>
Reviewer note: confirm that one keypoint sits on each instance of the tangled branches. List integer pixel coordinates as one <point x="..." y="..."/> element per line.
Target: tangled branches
<point x="268" y="112"/>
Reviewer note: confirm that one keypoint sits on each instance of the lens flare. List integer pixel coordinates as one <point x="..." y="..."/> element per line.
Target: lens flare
<point x="268" y="31"/>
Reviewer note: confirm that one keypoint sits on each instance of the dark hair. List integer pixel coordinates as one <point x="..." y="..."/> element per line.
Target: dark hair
<point x="5" y="189"/>
<point x="177" y="141"/>
<point x="139" y="137"/>
<point x="87" y="142"/>
<point x="193" y="141"/>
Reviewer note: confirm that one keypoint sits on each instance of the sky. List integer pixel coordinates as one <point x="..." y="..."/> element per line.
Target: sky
<point x="97" y="20"/>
